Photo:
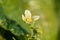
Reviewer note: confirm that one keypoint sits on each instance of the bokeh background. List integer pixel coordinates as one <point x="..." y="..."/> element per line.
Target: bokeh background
<point x="48" y="10"/>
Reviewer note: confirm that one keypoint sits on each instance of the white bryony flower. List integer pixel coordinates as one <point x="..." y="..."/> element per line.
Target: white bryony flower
<point x="28" y="18"/>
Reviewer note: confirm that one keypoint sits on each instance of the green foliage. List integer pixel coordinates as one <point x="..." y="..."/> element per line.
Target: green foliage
<point x="11" y="20"/>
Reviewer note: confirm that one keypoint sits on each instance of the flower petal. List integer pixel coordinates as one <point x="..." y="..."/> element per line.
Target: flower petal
<point x="23" y="18"/>
<point x="36" y="18"/>
<point x="27" y="13"/>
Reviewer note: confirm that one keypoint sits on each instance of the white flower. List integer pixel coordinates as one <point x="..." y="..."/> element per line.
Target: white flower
<point x="28" y="18"/>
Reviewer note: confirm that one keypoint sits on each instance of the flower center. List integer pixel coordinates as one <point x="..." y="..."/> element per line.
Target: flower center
<point x="29" y="20"/>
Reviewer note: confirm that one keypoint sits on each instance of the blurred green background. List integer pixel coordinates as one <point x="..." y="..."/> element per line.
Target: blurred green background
<point x="48" y="10"/>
